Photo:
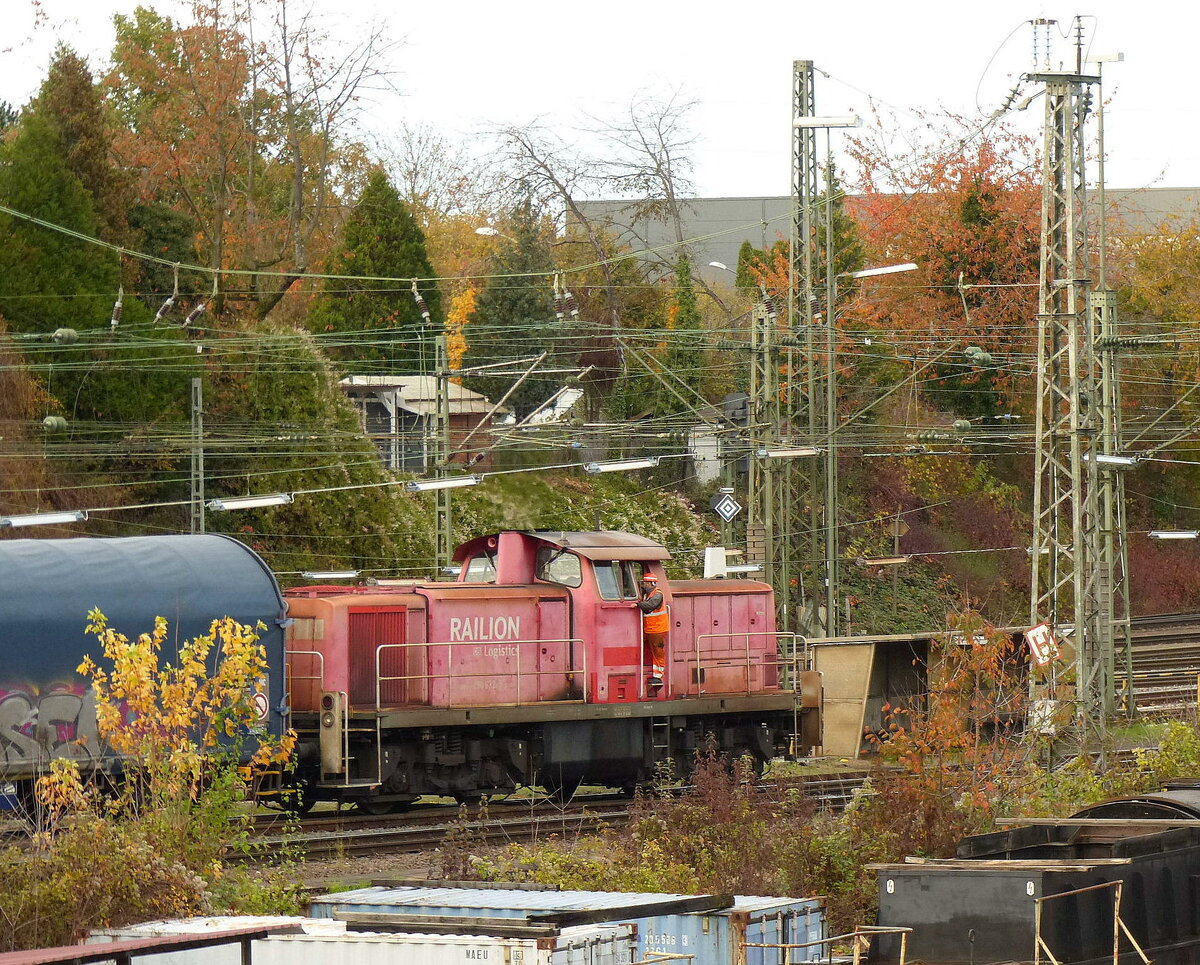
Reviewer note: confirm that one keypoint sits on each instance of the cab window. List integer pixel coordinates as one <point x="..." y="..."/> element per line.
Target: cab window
<point x="480" y="569"/>
<point x="558" y="566"/>
<point x="607" y="576"/>
<point x="616" y="581"/>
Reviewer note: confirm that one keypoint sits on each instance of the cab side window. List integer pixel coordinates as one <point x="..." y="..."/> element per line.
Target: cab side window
<point x="631" y="576"/>
<point x="558" y="566"/>
<point x="615" y="580"/>
<point x="609" y="578"/>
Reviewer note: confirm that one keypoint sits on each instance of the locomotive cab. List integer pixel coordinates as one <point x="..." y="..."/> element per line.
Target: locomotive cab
<point x="601" y="573"/>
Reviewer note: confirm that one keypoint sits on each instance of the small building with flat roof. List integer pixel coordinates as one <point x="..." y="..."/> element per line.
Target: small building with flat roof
<point x="399" y="414"/>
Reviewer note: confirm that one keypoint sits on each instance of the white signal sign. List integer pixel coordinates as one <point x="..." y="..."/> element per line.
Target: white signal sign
<point x="1042" y="646"/>
<point x="725" y="506"/>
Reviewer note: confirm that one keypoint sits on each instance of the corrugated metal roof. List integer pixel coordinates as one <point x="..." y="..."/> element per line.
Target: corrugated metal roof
<point x="496" y="899"/>
<point x="418" y="393"/>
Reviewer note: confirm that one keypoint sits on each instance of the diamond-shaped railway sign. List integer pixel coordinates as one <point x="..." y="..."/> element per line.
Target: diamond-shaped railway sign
<point x="725" y="506"/>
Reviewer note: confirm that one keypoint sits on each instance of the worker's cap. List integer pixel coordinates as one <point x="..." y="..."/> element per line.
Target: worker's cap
<point x="649" y="578"/>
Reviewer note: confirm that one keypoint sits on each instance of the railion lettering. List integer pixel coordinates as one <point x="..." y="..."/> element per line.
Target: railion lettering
<point x="484" y="629"/>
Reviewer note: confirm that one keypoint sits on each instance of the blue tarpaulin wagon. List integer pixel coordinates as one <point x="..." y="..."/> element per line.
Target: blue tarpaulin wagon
<point x="47" y="588"/>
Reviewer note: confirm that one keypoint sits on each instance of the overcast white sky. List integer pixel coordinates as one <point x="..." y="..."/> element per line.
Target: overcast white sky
<point x="468" y="64"/>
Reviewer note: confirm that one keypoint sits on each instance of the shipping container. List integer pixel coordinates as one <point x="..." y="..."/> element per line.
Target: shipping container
<point x="981" y="906"/>
<point x="715" y="930"/>
<point x="326" y="941"/>
<point x="584" y="945"/>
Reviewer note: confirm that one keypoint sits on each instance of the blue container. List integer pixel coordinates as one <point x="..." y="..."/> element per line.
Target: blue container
<point x="725" y="936"/>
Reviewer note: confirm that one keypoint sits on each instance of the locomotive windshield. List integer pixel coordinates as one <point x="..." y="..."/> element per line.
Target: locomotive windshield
<point x="480" y="569"/>
<point x="556" y="565"/>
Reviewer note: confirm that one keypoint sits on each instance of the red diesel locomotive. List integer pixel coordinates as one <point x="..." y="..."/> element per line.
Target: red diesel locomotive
<point x="530" y="669"/>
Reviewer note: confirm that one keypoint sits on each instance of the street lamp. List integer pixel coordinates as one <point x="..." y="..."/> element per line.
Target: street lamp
<point x="793" y="452"/>
<point x="1174" y="534"/>
<point x="831" y="478"/>
<point x="885" y="270"/>
<point x="620" y="465"/>
<point x="1112" y="460"/>
<point x="446" y="482"/>
<point x="487" y="231"/>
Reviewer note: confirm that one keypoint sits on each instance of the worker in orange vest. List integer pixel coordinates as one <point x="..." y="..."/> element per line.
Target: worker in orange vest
<point x="655" y="623"/>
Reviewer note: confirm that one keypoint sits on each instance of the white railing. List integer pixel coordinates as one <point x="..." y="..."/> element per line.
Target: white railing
<point x="290" y="675"/>
<point x="450" y="677"/>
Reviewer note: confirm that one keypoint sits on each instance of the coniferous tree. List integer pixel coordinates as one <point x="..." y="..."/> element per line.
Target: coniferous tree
<point x="514" y="315"/>
<point x="71" y="103"/>
<point x="49" y="280"/>
<point x="749" y="259"/>
<point x="684" y="352"/>
<point x="381" y="240"/>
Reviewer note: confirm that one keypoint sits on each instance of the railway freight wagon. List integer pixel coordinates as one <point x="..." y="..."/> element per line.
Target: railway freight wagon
<point x="48" y="586"/>
<point x="531" y="669"/>
<point x="1115" y="873"/>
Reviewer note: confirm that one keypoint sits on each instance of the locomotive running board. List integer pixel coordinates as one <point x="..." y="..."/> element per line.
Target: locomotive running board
<point x="534" y="713"/>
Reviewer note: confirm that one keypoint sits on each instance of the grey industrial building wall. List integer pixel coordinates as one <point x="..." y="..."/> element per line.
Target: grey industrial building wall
<point x="717" y="227"/>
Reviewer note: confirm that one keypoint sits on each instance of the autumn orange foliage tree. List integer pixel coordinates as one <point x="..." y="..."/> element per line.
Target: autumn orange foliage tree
<point x="958" y="746"/>
<point x="966" y="210"/>
<point x="248" y="138"/>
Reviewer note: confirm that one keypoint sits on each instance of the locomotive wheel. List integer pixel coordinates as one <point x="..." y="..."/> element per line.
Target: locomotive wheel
<point x="369" y="805"/>
<point x="376" y="806"/>
<point x="563" y="789"/>
<point x="297" y="798"/>
<point x="755" y="766"/>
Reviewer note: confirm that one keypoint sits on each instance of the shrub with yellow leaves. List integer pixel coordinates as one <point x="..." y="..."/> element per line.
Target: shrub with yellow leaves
<point x="175" y="808"/>
<point x="170" y="719"/>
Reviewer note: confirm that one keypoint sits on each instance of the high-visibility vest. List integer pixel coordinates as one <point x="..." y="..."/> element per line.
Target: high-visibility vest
<point x="657" y="621"/>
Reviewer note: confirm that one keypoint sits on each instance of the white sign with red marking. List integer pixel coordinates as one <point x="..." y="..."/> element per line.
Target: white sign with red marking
<point x="1042" y="646"/>
<point x="262" y="705"/>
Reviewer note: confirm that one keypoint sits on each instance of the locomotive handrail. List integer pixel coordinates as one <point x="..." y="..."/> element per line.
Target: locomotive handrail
<point x="288" y="676"/>
<point x="666" y="691"/>
<point x="780" y="662"/>
<point x="380" y="679"/>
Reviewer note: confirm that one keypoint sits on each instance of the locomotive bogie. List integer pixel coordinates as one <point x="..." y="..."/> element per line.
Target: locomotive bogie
<point x="469" y="762"/>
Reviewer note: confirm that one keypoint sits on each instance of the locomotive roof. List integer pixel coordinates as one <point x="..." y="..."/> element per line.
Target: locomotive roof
<point x="605" y="544"/>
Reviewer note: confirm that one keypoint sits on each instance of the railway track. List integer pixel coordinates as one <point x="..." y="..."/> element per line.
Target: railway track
<point x="338" y="836"/>
<point x="1166" y="664"/>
